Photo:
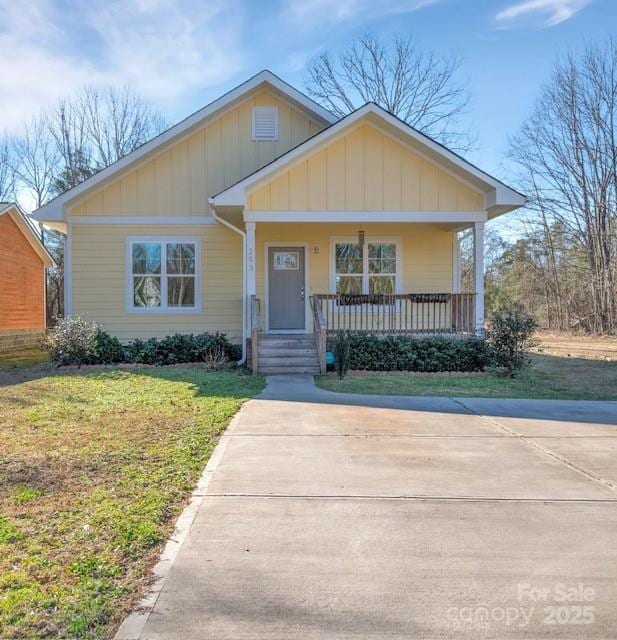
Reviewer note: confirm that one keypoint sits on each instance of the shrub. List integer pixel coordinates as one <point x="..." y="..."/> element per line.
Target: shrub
<point x="181" y="348"/>
<point x="510" y="337"/>
<point x="404" y="353"/>
<point x="108" y="349"/>
<point x="73" y="341"/>
<point x="342" y="354"/>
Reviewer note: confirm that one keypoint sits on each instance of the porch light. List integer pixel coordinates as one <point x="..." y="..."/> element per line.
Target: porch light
<point x="361" y="238"/>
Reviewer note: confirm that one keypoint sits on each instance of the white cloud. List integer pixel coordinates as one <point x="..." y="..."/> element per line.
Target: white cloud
<point x="164" y="49"/>
<point x="313" y="13"/>
<point x="548" y="12"/>
<point x="33" y="71"/>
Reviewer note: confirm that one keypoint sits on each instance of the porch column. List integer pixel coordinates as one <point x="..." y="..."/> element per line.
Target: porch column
<point x="478" y="274"/>
<point x="251" y="287"/>
<point x="456" y="262"/>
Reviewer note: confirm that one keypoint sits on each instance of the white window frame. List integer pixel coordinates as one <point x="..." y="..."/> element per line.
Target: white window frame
<point x="395" y="240"/>
<point x="163" y="241"/>
<point x="276" y="123"/>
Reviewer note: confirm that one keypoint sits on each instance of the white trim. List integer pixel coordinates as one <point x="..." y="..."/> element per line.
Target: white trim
<point x="149" y="220"/>
<point x="54" y="210"/>
<point x="368" y="239"/>
<point x="366" y="216"/>
<point x="503" y="195"/>
<point x="251" y="286"/>
<point x="245" y="307"/>
<point x="478" y="274"/>
<point x="307" y="316"/>
<point x="456" y="262"/>
<point x="68" y="271"/>
<point x="163" y="309"/>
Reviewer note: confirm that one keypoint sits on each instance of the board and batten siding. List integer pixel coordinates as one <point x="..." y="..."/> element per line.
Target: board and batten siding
<point x="426" y="259"/>
<point x="179" y="180"/>
<point x="365" y="169"/>
<point x="99" y="281"/>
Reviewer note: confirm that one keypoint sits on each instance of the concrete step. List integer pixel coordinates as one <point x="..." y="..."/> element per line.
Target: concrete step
<point x="286" y="344"/>
<point x="273" y="370"/>
<point x="292" y="362"/>
<point x="286" y="352"/>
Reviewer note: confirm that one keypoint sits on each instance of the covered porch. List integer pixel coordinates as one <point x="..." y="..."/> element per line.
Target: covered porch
<point x="382" y="278"/>
<point x="386" y="279"/>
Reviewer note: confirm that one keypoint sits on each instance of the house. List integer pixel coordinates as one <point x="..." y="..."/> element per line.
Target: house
<point x="264" y="214"/>
<point x="23" y="259"/>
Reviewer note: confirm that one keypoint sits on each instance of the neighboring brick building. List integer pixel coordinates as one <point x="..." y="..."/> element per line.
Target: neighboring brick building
<point x="23" y="260"/>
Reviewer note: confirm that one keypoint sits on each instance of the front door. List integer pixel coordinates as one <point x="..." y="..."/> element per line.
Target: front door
<point x="286" y="295"/>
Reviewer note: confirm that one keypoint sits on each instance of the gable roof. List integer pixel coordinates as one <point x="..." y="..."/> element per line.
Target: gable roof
<point x="28" y="230"/>
<point x="499" y="197"/>
<point x="54" y="209"/>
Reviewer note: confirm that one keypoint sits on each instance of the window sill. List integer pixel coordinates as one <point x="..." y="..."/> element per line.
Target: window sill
<point x="154" y="311"/>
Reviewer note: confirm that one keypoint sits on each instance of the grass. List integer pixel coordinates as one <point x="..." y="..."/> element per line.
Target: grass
<point x="95" y="469"/>
<point x="578" y="346"/>
<point x="551" y="377"/>
<point x="26" y="357"/>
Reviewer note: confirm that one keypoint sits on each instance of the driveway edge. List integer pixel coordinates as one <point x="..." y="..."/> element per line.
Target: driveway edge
<point x="132" y="626"/>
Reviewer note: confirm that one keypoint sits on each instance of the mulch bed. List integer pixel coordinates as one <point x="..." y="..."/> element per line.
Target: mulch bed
<point x="357" y="373"/>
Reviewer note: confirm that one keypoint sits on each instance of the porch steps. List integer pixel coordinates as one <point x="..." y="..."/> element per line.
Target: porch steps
<point x="280" y="354"/>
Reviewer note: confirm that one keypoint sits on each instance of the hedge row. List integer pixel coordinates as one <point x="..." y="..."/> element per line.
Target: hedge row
<point x="75" y="341"/>
<point x="403" y="353"/>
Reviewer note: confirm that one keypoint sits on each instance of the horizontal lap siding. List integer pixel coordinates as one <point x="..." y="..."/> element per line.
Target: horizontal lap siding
<point x="364" y="170"/>
<point x="99" y="281"/>
<point x="181" y="178"/>
<point x="22" y="277"/>
<point x="426" y="253"/>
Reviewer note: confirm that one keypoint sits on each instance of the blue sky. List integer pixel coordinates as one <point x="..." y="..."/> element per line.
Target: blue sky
<point x="182" y="54"/>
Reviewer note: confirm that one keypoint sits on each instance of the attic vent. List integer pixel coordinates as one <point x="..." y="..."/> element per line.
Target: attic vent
<point x="265" y="123"/>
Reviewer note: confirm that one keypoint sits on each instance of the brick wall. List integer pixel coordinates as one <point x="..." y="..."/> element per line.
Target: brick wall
<point x="22" y="304"/>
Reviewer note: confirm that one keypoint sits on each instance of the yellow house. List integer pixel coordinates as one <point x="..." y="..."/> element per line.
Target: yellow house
<point x="266" y="217"/>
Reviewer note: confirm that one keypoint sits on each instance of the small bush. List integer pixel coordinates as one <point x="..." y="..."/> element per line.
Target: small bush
<point x="109" y="349"/>
<point x="73" y="341"/>
<point x="404" y="353"/>
<point x="342" y="354"/>
<point x="510" y="337"/>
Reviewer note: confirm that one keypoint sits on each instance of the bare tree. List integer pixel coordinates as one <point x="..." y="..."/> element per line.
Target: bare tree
<point x="59" y="149"/>
<point x="97" y="127"/>
<point x="54" y="241"/>
<point x="67" y="128"/>
<point x="117" y="122"/>
<point x="414" y="84"/>
<point x="568" y="157"/>
<point x="36" y="160"/>
<point x="7" y="173"/>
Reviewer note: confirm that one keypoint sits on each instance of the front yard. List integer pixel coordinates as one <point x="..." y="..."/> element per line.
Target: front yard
<point x="551" y="377"/>
<point x="95" y="467"/>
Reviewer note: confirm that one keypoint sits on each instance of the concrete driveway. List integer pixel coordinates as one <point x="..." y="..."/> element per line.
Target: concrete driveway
<point x="340" y="516"/>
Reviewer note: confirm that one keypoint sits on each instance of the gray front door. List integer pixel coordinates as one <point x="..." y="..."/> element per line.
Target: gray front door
<point x="286" y="310"/>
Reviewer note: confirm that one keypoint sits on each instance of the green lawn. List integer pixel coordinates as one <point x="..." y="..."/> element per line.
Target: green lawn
<point x="550" y="377"/>
<point x="95" y="469"/>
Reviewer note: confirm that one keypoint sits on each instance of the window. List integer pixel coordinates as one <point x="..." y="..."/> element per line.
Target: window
<point x="265" y="123"/>
<point x="163" y="274"/>
<point x="369" y="268"/>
